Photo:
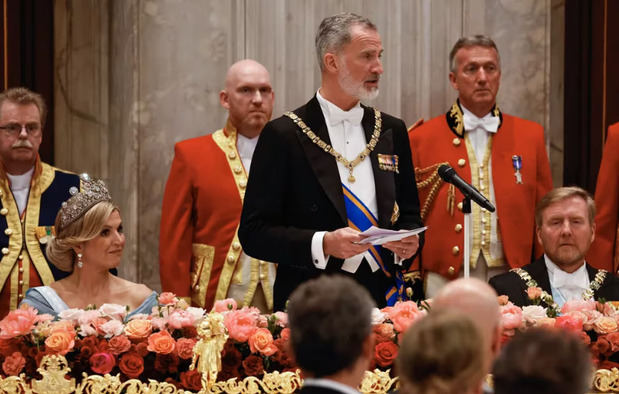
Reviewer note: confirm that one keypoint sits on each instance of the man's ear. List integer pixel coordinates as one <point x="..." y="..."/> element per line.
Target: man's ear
<point x="452" y="80"/>
<point x="330" y="62"/>
<point x="223" y="99"/>
<point x="538" y="231"/>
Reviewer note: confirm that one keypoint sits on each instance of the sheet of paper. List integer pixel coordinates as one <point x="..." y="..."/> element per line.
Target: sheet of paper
<point x="378" y="236"/>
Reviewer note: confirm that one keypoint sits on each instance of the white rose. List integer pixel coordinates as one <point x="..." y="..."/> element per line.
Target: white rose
<point x="378" y="317"/>
<point x="197" y="313"/>
<point x="532" y="313"/>
<point x="112" y="328"/>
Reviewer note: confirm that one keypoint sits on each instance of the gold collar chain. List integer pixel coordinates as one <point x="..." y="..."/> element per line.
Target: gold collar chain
<point x="350" y="165"/>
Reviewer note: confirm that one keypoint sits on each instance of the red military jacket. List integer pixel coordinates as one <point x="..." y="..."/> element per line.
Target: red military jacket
<point x="603" y="253"/>
<point x="441" y="140"/>
<point x="198" y="243"/>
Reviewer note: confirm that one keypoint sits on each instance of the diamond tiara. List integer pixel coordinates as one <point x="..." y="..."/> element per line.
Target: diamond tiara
<point x="93" y="192"/>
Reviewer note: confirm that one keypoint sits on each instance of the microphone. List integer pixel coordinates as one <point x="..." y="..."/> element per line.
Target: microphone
<point x="449" y="175"/>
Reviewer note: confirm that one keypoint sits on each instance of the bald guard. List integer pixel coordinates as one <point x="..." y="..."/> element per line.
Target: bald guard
<point x="200" y="257"/>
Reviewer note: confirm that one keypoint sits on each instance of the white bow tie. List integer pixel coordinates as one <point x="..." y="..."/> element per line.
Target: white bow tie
<point x="489" y="123"/>
<point x="353" y="116"/>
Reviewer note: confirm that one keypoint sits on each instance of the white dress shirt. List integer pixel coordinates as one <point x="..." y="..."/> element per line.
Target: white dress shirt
<point x="566" y="286"/>
<point x="20" y="187"/>
<point x="348" y="139"/>
<point x="246" y="147"/>
<point x="478" y="137"/>
<point x="330" y="384"/>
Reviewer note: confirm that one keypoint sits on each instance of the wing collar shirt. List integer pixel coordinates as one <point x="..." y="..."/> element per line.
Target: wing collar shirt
<point x="347" y="138"/>
<point x="246" y="147"/>
<point x="566" y="286"/>
<point x="20" y="186"/>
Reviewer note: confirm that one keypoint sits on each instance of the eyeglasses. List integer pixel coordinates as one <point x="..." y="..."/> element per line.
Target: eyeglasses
<point x="14" y="129"/>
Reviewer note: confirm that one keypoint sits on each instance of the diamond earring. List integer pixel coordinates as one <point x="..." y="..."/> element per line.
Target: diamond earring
<point x="80" y="263"/>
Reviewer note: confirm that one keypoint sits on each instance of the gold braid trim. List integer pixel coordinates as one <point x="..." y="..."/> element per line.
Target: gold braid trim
<point x="433" y="180"/>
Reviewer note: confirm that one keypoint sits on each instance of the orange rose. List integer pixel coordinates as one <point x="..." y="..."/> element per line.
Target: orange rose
<point x="60" y="342"/>
<point x="161" y="342"/>
<point x="285" y="334"/>
<point x="138" y="329"/>
<point x="503" y="299"/>
<point x="384" y="332"/>
<point x="261" y="341"/>
<point x="63" y="325"/>
<point x="605" y="325"/>
<point x="167" y="298"/>
<point x="534" y="293"/>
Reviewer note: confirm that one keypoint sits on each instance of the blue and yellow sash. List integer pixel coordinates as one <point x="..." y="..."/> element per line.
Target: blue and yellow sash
<point x="361" y="218"/>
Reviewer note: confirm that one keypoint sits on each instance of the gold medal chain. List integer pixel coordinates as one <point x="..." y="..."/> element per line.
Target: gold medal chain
<point x="350" y="165"/>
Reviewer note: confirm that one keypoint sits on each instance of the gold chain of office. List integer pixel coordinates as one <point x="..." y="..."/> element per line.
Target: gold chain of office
<point x="350" y="165"/>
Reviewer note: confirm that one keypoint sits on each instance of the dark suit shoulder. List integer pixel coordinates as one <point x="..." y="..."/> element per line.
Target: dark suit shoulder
<point x="511" y="285"/>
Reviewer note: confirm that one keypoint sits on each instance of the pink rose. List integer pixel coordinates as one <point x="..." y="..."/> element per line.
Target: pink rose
<point x="569" y="322"/>
<point x="404" y="314"/>
<point x="511" y="318"/>
<point x="119" y="344"/>
<point x="180" y="318"/>
<point x="229" y="304"/>
<point x="73" y="314"/>
<point x="578" y="305"/>
<point x="261" y="341"/>
<point x="184" y="347"/>
<point x="282" y="318"/>
<point x="18" y="322"/>
<point x="167" y="298"/>
<point x="605" y="325"/>
<point x="240" y="324"/>
<point x="114" y="311"/>
<point x="534" y="292"/>
<point x="13" y="364"/>
<point x="285" y="334"/>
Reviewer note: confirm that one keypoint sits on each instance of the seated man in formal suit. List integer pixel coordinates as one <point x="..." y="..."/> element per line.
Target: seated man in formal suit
<point x="330" y="321"/>
<point x="565" y="227"/>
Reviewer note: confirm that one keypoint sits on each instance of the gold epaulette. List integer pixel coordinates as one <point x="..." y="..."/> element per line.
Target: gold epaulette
<point x="428" y="177"/>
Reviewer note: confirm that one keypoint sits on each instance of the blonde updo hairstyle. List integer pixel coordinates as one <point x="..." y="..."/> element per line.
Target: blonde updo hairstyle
<point x="60" y="249"/>
<point x="441" y="354"/>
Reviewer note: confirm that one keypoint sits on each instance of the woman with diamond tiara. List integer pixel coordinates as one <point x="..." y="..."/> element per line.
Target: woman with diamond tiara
<point x="89" y="242"/>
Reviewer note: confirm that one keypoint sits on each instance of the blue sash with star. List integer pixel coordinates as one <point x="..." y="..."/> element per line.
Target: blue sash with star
<point x="361" y="218"/>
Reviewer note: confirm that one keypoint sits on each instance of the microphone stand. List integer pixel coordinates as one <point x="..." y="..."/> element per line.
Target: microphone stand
<point x="466" y="210"/>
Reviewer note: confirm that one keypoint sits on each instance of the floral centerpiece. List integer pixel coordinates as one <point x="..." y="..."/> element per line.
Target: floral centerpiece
<point x="157" y="346"/>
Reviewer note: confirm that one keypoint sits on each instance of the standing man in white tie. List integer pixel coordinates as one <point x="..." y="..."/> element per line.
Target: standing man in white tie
<point x="565" y="228"/>
<point x="330" y="169"/>
<point x="503" y="156"/>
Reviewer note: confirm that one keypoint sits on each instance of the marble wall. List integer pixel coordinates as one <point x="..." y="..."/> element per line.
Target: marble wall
<point x="135" y="76"/>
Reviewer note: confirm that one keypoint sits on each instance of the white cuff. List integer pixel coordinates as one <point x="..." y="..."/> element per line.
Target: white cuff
<point x="397" y="260"/>
<point x="318" y="255"/>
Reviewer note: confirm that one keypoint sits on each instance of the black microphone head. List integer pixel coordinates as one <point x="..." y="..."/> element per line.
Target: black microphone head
<point x="446" y="172"/>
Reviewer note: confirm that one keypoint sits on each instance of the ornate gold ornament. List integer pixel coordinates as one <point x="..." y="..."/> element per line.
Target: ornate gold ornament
<point x="350" y="165"/>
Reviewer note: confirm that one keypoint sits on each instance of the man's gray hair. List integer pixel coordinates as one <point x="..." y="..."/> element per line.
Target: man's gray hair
<point x="334" y="32"/>
<point x="478" y="40"/>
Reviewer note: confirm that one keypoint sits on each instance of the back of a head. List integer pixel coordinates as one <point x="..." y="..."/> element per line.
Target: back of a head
<point x="441" y="354"/>
<point x="329" y="318"/>
<point x="543" y="361"/>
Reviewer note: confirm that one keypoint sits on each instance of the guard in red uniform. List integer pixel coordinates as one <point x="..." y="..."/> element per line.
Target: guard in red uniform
<point x="503" y="156"/>
<point x="200" y="257"/>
